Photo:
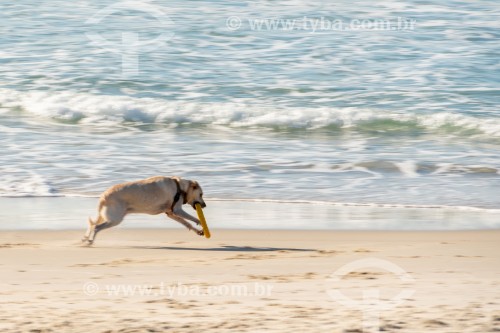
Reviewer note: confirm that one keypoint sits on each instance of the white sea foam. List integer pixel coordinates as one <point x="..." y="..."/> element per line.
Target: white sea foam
<point x="88" y="109"/>
<point x="408" y="168"/>
<point x="17" y="183"/>
<point x="372" y="205"/>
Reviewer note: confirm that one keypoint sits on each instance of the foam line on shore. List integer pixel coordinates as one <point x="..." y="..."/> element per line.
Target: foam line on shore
<point x="374" y="205"/>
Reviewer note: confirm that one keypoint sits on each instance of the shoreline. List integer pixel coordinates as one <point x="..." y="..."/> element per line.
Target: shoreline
<point x="71" y="213"/>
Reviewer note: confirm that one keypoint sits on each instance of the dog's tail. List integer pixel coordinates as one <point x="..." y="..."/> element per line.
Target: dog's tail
<point x="99" y="219"/>
<point x="93" y="223"/>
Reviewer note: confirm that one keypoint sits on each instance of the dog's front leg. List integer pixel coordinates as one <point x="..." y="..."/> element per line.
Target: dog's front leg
<point x="180" y="212"/>
<point x="184" y="223"/>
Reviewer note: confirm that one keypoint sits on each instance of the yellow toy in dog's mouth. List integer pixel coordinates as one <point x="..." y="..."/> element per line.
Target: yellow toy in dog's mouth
<point x="203" y="222"/>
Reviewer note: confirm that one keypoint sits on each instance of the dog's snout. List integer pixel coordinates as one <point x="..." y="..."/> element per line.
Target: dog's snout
<point x="201" y="203"/>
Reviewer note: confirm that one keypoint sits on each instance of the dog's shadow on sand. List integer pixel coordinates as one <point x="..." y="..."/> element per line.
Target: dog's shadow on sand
<point x="226" y="248"/>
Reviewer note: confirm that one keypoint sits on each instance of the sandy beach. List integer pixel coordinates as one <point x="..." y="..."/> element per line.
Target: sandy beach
<point x="161" y="280"/>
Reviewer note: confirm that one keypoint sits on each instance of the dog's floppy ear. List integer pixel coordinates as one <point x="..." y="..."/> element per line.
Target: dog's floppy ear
<point x="193" y="185"/>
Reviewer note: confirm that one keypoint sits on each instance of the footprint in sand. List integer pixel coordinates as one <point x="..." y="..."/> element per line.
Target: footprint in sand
<point x="435" y="323"/>
<point x="251" y="257"/>
<point x="363" y="275"/>
<point x="115" y="263"/>
<point x="363" y="251"/>
<point x="283" y="278"/>
<point x="13" y="245"/>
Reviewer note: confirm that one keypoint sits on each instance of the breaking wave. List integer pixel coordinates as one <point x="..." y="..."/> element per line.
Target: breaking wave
<point x="88" y="109"/>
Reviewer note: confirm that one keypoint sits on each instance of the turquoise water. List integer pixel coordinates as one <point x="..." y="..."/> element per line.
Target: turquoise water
<point x="405" y="116"/>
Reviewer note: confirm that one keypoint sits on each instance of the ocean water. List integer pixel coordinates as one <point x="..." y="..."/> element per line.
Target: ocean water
<point x="407" y="116"/>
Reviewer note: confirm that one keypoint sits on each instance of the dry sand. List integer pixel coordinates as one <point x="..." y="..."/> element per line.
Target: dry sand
<point x="247" y="281"/>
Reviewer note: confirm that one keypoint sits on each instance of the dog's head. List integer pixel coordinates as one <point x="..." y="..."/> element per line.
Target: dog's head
<point x="194" y="194"/>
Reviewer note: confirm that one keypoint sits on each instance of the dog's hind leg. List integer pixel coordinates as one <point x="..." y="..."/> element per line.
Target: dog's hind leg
<point x="184" y="223"/>
<point x="90" y="229"/>
<point x="90" y="240"/>
<point x="114" y="216"/>
<point x="101" y="227"/>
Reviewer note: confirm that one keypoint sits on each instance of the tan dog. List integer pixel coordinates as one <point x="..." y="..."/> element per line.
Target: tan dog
<point x="153" y="196"/>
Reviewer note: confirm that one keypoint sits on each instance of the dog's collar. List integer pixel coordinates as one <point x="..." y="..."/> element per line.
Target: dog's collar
<point x="178" y="195"/>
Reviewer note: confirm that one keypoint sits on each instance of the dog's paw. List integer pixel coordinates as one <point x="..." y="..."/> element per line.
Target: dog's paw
<point x="200" y="232"/>
<point x="87" y="243"/>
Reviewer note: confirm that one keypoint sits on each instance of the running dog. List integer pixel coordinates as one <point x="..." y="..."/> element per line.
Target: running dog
<point x="152" y="196"/>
